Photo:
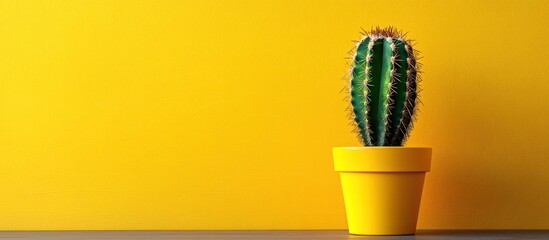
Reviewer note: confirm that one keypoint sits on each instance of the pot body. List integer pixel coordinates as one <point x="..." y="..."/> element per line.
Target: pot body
<point x="382" y="187"/>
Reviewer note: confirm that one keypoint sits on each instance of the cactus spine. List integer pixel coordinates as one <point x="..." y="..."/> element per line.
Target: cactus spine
<point x="383" y="87"/>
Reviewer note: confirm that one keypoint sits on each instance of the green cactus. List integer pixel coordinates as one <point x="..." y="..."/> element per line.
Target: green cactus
<point x="383" y="87"/>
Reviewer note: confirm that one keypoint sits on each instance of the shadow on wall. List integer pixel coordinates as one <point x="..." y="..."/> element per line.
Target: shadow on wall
<point x="485" y="171"/>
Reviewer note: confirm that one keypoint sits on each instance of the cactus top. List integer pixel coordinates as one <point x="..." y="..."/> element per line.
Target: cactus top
<point x="383" y="87"/>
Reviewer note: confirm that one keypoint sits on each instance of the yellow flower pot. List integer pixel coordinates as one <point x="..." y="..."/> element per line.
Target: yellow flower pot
<point x="382" y="187"/>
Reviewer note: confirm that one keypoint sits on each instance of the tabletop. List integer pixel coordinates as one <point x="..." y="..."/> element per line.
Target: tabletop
<point x="271" y="235"/>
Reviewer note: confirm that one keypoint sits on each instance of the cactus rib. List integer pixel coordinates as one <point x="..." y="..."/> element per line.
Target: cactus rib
<point x="359" y="99"/>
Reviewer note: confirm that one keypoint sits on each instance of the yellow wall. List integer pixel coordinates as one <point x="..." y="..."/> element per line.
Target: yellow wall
<point x="222" y="114"/>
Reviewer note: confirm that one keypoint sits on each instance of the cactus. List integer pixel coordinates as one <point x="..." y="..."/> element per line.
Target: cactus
<point x="383" y="87"/>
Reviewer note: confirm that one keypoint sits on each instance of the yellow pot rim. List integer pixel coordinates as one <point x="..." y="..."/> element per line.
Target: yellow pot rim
<point x="382" y="159"/>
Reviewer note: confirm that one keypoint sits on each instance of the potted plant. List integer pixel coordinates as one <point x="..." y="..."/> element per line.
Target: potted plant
<point x="382" y="181"/>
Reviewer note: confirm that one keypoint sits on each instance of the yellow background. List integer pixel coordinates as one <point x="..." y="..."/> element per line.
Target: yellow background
<point x="222" y="114"/>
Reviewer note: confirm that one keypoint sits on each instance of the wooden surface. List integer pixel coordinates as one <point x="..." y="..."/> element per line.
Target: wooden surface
<point x="272" y="235"/>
